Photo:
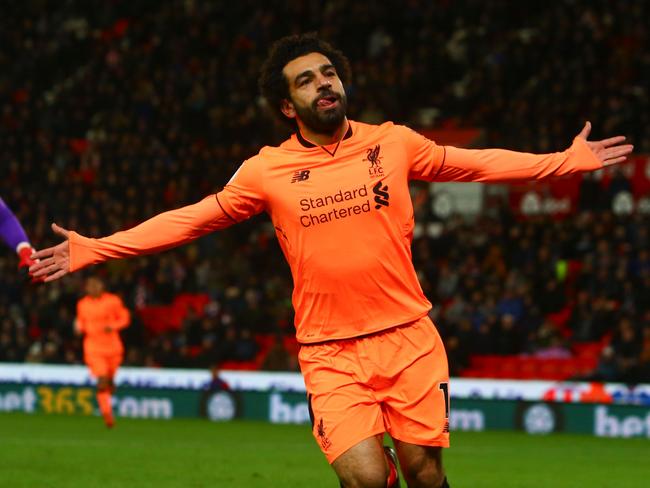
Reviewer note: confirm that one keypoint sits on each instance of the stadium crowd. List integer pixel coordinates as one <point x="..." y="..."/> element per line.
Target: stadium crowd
<point x="113" y="112"/>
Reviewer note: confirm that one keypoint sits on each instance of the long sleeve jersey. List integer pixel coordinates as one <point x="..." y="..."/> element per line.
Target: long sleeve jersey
<point x="94" y="315"/>
<point x="343" y="217"/>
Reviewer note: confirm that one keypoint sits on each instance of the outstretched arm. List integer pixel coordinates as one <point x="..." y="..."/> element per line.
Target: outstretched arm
<point x="494" y="165"/>
<point x="159" y="233"/>
<point x="122" y="316"/>
<point x="449" y="163"/>
<point x="241" y="198"/>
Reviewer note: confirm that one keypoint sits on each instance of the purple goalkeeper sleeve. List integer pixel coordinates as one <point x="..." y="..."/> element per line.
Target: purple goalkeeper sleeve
<point x="11" y="231"/>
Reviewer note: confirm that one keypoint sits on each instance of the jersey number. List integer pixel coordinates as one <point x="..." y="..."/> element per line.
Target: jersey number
<point x="445" y="391"/>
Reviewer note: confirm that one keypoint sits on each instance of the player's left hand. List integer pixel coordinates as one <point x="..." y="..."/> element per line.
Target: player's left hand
<point x="608" y="151"/>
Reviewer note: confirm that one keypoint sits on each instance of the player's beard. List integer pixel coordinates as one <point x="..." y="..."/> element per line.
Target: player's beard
<point x="323" y="121"/>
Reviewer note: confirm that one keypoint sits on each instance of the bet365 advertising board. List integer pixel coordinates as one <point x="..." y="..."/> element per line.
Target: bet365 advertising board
<point x="218" y="404"/>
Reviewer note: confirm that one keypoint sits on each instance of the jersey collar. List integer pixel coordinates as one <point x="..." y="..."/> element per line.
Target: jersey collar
<point x="305" y="143"/>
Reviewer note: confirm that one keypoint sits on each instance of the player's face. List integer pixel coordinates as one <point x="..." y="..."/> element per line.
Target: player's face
<point x="316" y="95"/>
<point x="94" y="287"/>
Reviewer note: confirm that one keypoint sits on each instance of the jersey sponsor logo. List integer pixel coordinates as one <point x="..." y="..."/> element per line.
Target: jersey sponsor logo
<point x="300" y="175"/>
<point x="335" y="211"/>
<point x="375" y="170"/>
<point x="381" y="195"/>
<point x="338" y="197"/>
<point x="341" y="204"/>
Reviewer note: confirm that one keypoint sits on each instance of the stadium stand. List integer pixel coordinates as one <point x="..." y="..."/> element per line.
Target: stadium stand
<point x="112" y="112"/>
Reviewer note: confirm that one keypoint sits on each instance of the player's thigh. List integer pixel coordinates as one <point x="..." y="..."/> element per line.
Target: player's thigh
<point x="98" y="365"/>
<point x="113" y="362"/>
<point x="421" y="465"/>
<point x="416" y="407"/>
<point x="343" y="411"/>
<point x="342" y="417"/>
<point x="363" y="465"/>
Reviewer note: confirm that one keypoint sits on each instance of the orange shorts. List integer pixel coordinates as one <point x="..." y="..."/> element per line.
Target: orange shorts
<point x="103" y="364"/>
<point x="394" y="381"/>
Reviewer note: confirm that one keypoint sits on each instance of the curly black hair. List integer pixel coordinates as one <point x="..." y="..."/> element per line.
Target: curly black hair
<point x="272" y="83"/>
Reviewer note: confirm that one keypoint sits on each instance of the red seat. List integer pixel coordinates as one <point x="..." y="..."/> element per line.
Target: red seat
<point x="161" y="318"/>
<point x="265" y="341"/>
<point x="586" y="365"/>
<point x="568" y="369"/>
<point x="291" y="344"/>
<point x="548" y="369"/>
<point x="484" y="361"/>
<point x="509" y="367"/>
<point x="560" y="318"/>
<point x="588" y="349"/>
<point x="529" y="368"/>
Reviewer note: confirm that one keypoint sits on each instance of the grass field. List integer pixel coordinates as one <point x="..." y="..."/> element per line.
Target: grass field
<point x="38" y="451"/>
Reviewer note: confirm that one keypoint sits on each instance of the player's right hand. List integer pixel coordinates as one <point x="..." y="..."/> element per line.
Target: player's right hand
<point x="53" y="262"/>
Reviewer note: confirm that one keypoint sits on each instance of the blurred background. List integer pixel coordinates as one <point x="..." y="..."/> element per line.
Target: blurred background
<point x="111" y="112"/>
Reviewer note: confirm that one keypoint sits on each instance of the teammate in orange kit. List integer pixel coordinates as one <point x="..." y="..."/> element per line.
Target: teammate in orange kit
<point x="100" y="317"/>
<point x="337" y="193"/>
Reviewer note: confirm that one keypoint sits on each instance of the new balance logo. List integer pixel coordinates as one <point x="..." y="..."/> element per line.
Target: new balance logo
<point x="300" y="175"/>
<point x="381" y="195"/>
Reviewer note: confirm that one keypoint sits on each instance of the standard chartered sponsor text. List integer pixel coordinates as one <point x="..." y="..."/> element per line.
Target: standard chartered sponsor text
<point x="334" y="212"/>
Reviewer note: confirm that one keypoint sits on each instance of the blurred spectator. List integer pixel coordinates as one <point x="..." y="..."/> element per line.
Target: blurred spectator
<point x="627" y="349"/>
<point x="168" y="354"/>
<point x="508" y="335"/>
<point x="607" y="368"/>
<point x="644" y="357"/>
<point x="581" y="320"/>
<point x="245" y="348"/>
<point x="550" y="344"/>
<point x="209" y="355"/>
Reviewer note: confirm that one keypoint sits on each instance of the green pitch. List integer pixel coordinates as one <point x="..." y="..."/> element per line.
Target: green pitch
<point x="41" y="451"/>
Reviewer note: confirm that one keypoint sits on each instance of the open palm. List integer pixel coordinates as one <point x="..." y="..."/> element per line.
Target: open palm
<point x="54" y="262"/>
<point x="608" y="151"/>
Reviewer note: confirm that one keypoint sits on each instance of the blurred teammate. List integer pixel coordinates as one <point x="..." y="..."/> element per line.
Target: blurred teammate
<point x="337" y="193"/>
<point x="100" y="317"/>
<point x="13" y="234"/>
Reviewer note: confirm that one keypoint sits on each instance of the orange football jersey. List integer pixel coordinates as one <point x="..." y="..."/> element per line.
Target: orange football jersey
<point x="343" y="217"/>
<point x="94" y="315"/>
